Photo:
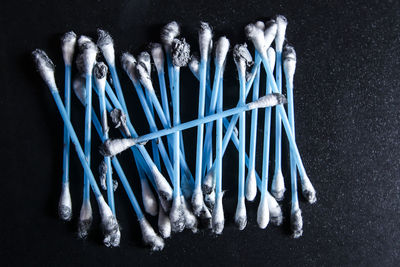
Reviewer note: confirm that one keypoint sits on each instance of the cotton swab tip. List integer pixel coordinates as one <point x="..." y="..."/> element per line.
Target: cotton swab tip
<point x="180" y="52"/>
<point x="144" y="76"/>
<point x="103" y="175"/>
<point x="289" y="62"/>
<point x="205" y="217"/>
<point x="278" y="186"/>
<point x="163" y="187"/>
<point x="256" y="35"/>
<point x="190" y="220"/>
<point x="106" y="45"/>
<point x="296" y="223"/>
<point x="251" y="186"/>
<point x="112" y="147"/>
<point x="112" y="234"/>
<point x="218" y="217"/>
<point x="242" y="58"/>
<point x="194" y="64"/>
<point x="176" y="216"/>
<point x="221" y="50"/>
<point x="208" y="182"/>
<point x="308" y="190"/>
<point x="88" y="52"/>
<point x="263" y="213"/>
<point x="85" y="219"/>
<point x="205" y="39"/>
<point x="158" y="56"/>
<point x="164" y="224"/>
<point x="128" y="63"/>
<point x="240" y="214"/>
<point x="150" y="238"/>
<point x="209" y="199"/>
<point x="65" y="203"/>
<point x="275" y="211"/>
<point x="144" y="57"/>
<point x="168" y="33"/>
<point x="79" y="89"/>
<point x="45" y="67"/>
<point x="197" y="201"/>
<point x="149" y="201"/>
<point x="118" y="117"/>
<point x="269" y="100"/>
<point x="271" y="57"/>
<point x="259" y="24"/>
<point x="270" y="32"/>
<point x="68" y="41"/>
<point x="100" y="74"/>
<point x="281" y="21"/>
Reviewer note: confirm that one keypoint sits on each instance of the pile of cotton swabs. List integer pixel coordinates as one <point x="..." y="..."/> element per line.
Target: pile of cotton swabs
<point x="183" y="200"/>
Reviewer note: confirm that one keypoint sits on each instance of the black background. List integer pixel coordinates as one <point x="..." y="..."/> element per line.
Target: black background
<point x="347" y="89"/>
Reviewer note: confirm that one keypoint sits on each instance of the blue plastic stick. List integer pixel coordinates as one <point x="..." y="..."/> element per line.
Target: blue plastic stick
<point x="67" y="103"/>
<point x="156" y="155"/>
<point x="164" y="94"/>
<point x="118" y="88"/>
<point x="218" y="183"/>
<point x="88" y="128"/>
<point x="176" y="119"/>
<point x="242" y="136"/>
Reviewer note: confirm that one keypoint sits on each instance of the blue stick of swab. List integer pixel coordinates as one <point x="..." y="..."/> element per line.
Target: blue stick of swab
<point x="156" y="155"/>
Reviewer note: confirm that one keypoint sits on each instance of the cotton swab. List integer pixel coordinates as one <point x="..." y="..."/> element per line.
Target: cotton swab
<point x="115" y="146"/>
<point x="205" y="36"/>
<point x="278" y="184"/>
<point x="109" y="223"/>
<point x="263" y="214"/>
<point x="289" y="66"/>
<point x="242" y="59"/>
<point x="88" y="55"/>
<point x="259" y="43"/>
<point x="65" y="203"/>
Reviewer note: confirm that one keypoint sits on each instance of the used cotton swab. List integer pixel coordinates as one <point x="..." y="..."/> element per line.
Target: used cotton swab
<point x="65" y="204"/>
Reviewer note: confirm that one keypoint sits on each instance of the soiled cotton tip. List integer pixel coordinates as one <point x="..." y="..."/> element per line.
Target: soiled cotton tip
<point x="68" y="41"/>
<point x="281" y="21"/>
<point x="79" y="89"/>
<point x="271" y="57"/>
<point x="209" y="199"/>
<point x="45" y="67"/>
<point x="103" y="175"/>
<point x="110" y="227"/>
<point x="168" y="33"/>
<point x="296" y="223"/>
<point x="89" y="52"/>
<point x="165" y="204"/>
<point x="205" y="217"/>
<point x="205" y="38"/>
<point x="100" y="74"/>
<point x="270" y="32"/>
<point x="278" y="186"/>
<point x="269" y="100"/>
<point x="275" y="211"/>
<point x="150" y="238"/>
<point x="164" y="224"/>
<point x="149" y="200"/>
<point x="289" y="62"/>
<point x="240" y="214"/>
<point x="190" y="219"/>
<point x="251" y="186"/>
<point x="197" y="201"/>
<point x="218" y="218"/>
<point x="256" y="35"/>
<point x="308" y="190"/>
<point x="118" y="117"/>
<point x="263" y="213"/>
<point x="242" y="58"/>
<point x="145" y="59"/>
<point x="128" y="63"/>
<point x="106" y="45"/>
<point x="259" y="24"/>
<point x="163" y="187"/>
<point x="157" y="55"/>
<point x="221" y="50"/>
<point x="112" y="147"/>
<point x="209" y="181"/>
<point x="85" y="219"/>
<point x="144" y="76"/>
<point x="180" y="52"/>
<point x="194" y="64"/>
<point x="65" y="203"/>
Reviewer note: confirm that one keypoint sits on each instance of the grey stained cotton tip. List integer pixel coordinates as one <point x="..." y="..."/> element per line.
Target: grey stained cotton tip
<point x="68" y="41"/>
<point x="218" y="218"/>
<point x="163" y="187"/>
<point x="263" y="213"/>
<point x="197" y="201"/>
<point x="270" y="32"/>
<point x="289" y="62"/>
<point x="194" y="65"/>
<point x="150" y="238"/>
<point x="240" y="214"/>
<point x="242" y="58"/>
<point x="79" y="89"/>
<point x="89" y="52"/>
<point x="144" y="58"/>
<point x="278" y="186"/>
<point x="180" y="52"/>
<point x="281" y="21"/>
<point x="275" y="211"/>
<point x="45" y="67"/>
<point x="190" y="219"/>
<point x="269" y="100"/>
<point x="158" y="56"/>
<point x="149" y="200"/>
<point x="208" y="182"/>
<point x="205" y="38"/>
<point x="176" y="215"/>
<point x="112" y="147"/>
<point x="296" y="223"/>
<point x="251" y="186"/>
<point x="205" y="217"/>
<point x="106" y="45"/>
<point x="221" y="50"/>
<point x="110" y="227"/>
<point x="168" y="33"/>
<point x="256" y="36"/>
<point x="165" y="204"/>
<point x="144" y="76"/>
<point x="164" y="224"/>
<point x="209" y="200"/>
<point x="308" y="190"/>
<point x="65" y="203"/>
<point x="85" y="219"/>
<point x="103" y="175"/>
<point x="128" y="63"/>
<point x="118" y="117"/>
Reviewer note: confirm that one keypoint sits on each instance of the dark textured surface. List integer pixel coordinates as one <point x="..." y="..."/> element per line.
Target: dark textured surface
<point x="347" y="118"/>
